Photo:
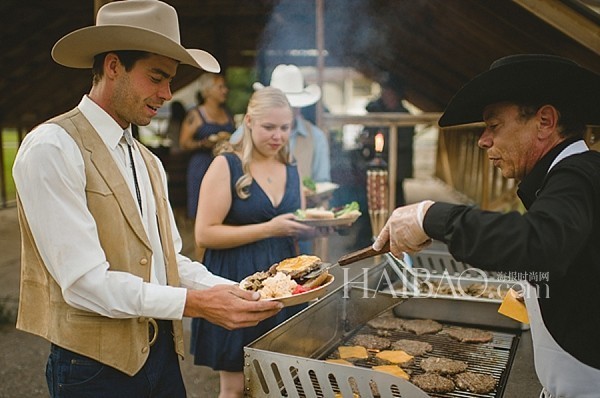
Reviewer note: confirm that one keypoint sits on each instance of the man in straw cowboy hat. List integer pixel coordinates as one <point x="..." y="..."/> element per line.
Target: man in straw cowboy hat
<point x="535" y="109"/>
<point x="101" y="269"/>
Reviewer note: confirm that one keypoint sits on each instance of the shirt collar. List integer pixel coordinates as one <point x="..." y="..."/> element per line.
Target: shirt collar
<point x="531" y="184"/>
<point x="108" y="129"/>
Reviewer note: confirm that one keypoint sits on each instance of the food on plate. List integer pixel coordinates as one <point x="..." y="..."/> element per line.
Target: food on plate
<point x="309" y="184"/>
<point x="412" y="347"/>
<point x="348" y="211"/>
<point x="291" y="276"/>
<point x="443" y="366"/>
<point x="394" y="370"/>
<point x="278" y="285"/>
<point x="351" y="210"/>
<point x="395" y="356"/>
<point x="421" y="326"/>
<point x="318" y="213"/>
<point x="433" y="382"/>
<point x="297" y="267"/>
<point x="356" y="352"/>
<point x="470" y="335"/>
<point x="371" y="342"/>
<point x="477" y="383"/>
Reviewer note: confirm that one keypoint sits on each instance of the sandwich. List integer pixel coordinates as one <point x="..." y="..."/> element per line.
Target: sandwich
<point x="291" y="276"/>
<point x="304" y="269"/>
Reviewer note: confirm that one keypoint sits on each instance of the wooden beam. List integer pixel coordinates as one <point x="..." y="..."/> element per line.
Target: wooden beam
<point x="565" y="19"/>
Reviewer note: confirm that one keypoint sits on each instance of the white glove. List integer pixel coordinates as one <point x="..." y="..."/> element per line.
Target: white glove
<point x="404" y="230"/>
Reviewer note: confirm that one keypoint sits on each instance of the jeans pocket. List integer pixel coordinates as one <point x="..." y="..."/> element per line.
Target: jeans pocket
<point x="77" y="373"/>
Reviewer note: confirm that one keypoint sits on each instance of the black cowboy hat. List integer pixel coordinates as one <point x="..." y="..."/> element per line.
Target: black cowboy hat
<point x="537" y="78"/>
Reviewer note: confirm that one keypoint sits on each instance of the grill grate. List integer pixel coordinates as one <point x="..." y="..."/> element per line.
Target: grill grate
<point x="490" y="358"/>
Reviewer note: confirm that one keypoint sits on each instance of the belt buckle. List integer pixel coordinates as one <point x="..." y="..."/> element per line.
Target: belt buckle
<point x="154" y="325"/>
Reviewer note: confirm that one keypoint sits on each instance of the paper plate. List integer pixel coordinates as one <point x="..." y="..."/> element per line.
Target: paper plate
<point x="329" y="222"/>
<point x="300" y="298"/>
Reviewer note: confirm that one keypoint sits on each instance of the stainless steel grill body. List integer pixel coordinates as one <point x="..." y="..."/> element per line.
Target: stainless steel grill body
<point x="288" y="361"/>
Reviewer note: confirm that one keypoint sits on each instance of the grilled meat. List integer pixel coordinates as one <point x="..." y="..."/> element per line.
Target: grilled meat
<point x="386" y="322"/>
<point x="421" y="326"/>
<point x="477" y="383"/>
<point x="470" y="335"/>
<point x="412" y="347"/>
<point x="433" y="382"/>
<point x="443" y="366"/>
<point x="371" y="342"/>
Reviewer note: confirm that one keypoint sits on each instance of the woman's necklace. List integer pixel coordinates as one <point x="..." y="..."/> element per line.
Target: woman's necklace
<point x="269" y="180"/>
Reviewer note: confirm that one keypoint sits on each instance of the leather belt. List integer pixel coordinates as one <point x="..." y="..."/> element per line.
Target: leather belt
<point x="152" y="331"/>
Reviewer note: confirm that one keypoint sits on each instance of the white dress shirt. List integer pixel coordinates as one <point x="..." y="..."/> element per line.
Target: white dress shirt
<point x="50" y="177"/>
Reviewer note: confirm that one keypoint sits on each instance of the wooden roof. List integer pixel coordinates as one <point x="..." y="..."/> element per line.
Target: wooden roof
<point x="434" y="46"/>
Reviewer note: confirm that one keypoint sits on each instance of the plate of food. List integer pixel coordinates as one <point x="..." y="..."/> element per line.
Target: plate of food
<point x="333" y="217"/>
<point x="318" y="192"/>
<point x="292" y="281"/>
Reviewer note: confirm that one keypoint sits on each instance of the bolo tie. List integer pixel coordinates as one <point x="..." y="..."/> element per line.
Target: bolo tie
<point x="129" y="140"/>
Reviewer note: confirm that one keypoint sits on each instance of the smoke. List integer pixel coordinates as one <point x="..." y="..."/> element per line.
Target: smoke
<point x="357" y="33"/>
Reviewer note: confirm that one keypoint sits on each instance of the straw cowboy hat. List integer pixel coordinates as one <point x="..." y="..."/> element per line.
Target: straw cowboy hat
<point x="527" y="77"/>
<point x="142" y="25"/>
<point x="288" y="78"/>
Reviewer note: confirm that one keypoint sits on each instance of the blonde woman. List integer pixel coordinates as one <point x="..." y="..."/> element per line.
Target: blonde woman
<point x="246" y="223"/>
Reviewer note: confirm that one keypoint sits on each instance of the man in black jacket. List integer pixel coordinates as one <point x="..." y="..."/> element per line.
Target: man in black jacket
<point x="535" y="109"/>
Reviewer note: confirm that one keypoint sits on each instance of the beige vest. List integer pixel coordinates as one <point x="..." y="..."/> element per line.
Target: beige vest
<point x="120" y="343"/>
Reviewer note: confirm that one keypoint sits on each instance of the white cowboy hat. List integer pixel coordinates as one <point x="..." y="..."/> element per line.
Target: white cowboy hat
<point x="289" y="79"/>
<point x="142" y="25"/>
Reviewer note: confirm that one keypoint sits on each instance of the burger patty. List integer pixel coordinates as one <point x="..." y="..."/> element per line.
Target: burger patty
<point x="477" y="383"/>
<point x="386" y="322"/>
<point x="444" y="366"/>
<point x="412" y="347"/>
<point x="371" y="342"/>
<point x="470" y="335"/>
<point x="421" y="326"/>
<point x="433" y="382"/>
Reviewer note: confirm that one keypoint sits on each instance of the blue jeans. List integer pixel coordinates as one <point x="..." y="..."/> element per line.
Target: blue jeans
<point x="72" y="375"/>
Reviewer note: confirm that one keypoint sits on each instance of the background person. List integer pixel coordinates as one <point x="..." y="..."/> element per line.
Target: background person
<point x="535" y="108"/>
<point x="101" y="269"/>
<point x="245" y="220"/>
<point x="199" y="129"/>
<point x="390" y="100"/>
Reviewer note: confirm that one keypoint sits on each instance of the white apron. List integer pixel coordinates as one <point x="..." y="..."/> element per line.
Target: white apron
<point x="561" y="374"/>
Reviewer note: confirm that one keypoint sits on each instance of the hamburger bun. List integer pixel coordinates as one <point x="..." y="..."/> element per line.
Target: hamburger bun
<point x="316" y="281"/>
<point x="297" y="267"/>
<point x="319" y="213"/>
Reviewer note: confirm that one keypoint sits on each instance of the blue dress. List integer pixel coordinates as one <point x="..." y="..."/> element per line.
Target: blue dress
<point x="201" y="159"/>
<point x="212" y="345"/>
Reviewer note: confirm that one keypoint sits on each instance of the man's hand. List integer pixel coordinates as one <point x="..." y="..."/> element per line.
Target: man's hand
<point x="229" y="306"/>
<point x="404" y="230"/>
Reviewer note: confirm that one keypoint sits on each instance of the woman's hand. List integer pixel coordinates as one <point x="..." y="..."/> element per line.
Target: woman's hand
<point x="286" y="225"/>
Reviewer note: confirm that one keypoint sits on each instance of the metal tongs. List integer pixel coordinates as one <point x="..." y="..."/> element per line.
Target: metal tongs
<point x="402" y="270"/>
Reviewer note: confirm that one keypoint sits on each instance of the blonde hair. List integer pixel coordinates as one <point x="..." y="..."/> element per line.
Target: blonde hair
<point x="260" y="104"/>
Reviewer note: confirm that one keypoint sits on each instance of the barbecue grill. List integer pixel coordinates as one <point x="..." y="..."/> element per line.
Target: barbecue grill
<point x="290" y="360"/>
